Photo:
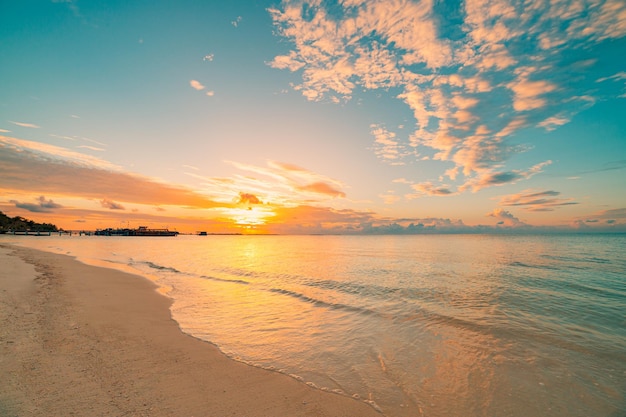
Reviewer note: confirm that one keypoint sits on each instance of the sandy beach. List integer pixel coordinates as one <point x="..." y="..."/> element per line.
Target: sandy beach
<point x="78" y="340"/>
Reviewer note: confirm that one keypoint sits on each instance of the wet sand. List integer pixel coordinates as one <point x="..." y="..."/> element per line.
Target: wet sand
<point x="78" y="340"/>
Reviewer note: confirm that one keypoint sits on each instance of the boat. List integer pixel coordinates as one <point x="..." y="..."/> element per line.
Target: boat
<point x="140" y="231"/>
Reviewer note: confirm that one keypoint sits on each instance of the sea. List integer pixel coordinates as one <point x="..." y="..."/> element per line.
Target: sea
<point x="421" y="325"/>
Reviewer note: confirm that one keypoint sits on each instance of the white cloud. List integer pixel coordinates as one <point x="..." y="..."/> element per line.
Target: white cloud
<point x="91" y="148"/>
<point x="28" y="125"/>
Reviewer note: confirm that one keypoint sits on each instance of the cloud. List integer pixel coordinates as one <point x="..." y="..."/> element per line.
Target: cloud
<point x="506" y="218"/>
<point x="38" y="168"/>
<point x="472" y="73"/>
<point x="28" y="125"/>
<point x="111" y="205"/>
<point x="494" y="178"/>
<point x="613" y="214"/>
<point x="619" y="77"/>
<point x="4" y="131"/>
<point x="386" y="145"/>
<point x="285" y="183"/>
<point x="306" y="219"/>
<point x="551" y="123"/>
<point x="608" y="166"/>
<point x="91" y="148"/>
<point x="613" y="220"/>
<point x="45" y="152"/>
<point x="246" y="198"/>
<point x="321" y="188"/>
<point x="528" y="94"/>
<point x="42" y="205"/>
<point x="71" y="4"/>
<point x="537" y="201"/>
<point x="390" y="198"/>
<point x="428" y="188"/>
<point x="93" y="141"/>
<point x="196" y="85"/>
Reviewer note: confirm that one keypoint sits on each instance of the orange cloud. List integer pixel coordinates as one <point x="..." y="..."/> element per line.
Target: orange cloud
<point x="322" y="188"/>
<point x="246" y="198"/>
<point x="39" y="168"/>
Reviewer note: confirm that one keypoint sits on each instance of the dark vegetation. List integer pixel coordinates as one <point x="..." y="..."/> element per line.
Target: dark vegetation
<point x="20" y="224"/>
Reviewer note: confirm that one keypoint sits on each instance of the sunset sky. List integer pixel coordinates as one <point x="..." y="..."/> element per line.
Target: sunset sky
<point x="353" y="116"/>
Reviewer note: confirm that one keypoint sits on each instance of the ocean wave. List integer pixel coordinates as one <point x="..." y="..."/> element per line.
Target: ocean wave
<point x="232" y="281"/>
<point x="591" y="259"/>
<point x="318" y="302"/>
<point x="536" y="266"/>
<point x="160" y="267"/>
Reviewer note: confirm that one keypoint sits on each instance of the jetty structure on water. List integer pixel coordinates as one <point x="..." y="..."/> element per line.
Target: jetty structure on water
<point x="140" y="231"/>
<point x="28" y="232"/>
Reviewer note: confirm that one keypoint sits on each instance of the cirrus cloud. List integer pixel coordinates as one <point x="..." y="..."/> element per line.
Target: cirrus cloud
<point x="537" y="200"/>
<point x="28" y="125"/>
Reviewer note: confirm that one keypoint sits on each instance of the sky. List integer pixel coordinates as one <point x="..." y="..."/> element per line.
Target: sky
<point x="338" y="116"/>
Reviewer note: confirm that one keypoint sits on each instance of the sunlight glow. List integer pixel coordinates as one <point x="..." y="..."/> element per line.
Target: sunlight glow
<point x="252" y="216"/>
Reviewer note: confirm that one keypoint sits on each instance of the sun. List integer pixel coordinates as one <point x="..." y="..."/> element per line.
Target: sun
<point x="252" y="216"/>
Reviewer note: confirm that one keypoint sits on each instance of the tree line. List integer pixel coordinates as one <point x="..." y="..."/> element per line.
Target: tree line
<point x="20" y="224"/>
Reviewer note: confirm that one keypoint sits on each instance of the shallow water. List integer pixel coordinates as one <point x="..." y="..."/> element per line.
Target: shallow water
<point x="438" y="325"/>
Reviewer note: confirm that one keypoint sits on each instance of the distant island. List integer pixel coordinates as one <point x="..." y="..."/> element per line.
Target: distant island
<point x="20" y="224"/>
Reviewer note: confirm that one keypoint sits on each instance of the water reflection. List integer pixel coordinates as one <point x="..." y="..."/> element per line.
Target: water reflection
<point x="421" y="325"/>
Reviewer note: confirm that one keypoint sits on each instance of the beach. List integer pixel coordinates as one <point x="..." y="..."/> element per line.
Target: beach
<point x="82" y="340"/>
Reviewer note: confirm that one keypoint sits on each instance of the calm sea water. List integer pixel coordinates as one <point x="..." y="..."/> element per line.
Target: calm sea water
<point x="463" y="325"/>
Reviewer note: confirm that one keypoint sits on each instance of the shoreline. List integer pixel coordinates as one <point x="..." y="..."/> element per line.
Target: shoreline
<point x="86" y="340"/>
